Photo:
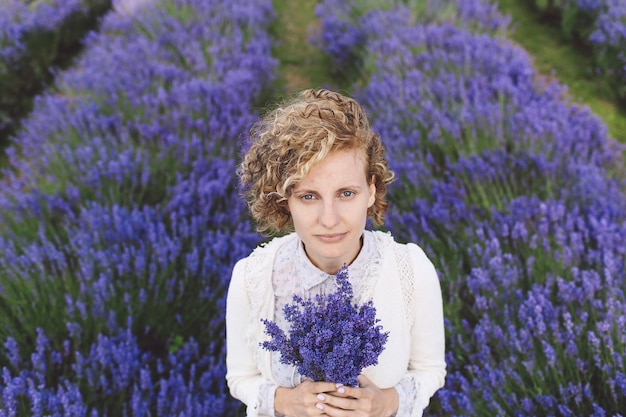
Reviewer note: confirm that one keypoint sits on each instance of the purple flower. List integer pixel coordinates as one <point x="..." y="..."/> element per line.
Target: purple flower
<point x="330" y="338"/>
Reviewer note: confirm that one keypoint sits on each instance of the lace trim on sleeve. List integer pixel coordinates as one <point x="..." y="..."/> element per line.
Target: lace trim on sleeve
<point x="265" y="401"/>
<point x="407" y="398"/>
<point x="418" y="397"/>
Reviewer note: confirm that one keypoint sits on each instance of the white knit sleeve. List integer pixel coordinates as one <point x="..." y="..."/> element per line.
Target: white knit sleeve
<point x="427" y="366"/>
<point x="243" y="375"/>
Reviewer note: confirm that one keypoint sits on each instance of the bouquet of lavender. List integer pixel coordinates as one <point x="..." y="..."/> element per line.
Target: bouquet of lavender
<point x="330" y="338"/>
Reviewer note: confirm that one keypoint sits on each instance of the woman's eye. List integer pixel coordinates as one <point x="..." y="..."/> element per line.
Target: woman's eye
<point x="347" y="193"/>
<point x="307" y="197"/>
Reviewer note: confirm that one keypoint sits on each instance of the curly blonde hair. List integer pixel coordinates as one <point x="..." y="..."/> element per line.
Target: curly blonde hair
<point x="291" y="139"/>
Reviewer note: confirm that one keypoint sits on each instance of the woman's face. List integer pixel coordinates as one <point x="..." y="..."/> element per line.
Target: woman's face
<point x="329" y="209"/>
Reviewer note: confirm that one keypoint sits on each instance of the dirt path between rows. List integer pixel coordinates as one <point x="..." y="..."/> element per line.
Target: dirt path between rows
<point x="302" y="65"/>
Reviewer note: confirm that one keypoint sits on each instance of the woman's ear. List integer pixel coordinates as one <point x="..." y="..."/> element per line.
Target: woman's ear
<point x="372" y="191"/>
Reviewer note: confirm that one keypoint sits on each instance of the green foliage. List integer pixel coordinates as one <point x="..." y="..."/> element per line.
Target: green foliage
<point x="576" y="24"/>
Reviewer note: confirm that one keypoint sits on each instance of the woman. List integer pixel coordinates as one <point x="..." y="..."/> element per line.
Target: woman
<point x="315" y="172"/>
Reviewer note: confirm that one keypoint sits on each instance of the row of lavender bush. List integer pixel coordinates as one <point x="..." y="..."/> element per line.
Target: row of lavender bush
<point x="35" y="38"/>
<point x="519" y="197"/>
<point x="601" y="24"/>
<point x="120" y="218"/>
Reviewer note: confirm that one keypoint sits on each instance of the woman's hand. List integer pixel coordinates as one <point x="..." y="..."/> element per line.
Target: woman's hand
<point x="365" y="401"/>
<point x="303" y="400"/>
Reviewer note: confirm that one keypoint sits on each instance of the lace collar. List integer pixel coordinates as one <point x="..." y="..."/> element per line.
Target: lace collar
<point x="312" y="276"/>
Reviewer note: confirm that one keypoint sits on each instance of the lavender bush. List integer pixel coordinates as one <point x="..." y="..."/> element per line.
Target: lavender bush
<point x="329" y="338"/>
<point x="345" y="26"/>
<point x="35" y="38"/>
<point x="519" y="197"/>
<point x="121" y="220"/>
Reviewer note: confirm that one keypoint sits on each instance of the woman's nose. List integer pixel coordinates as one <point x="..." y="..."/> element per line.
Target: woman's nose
<point x="329" y="216"/>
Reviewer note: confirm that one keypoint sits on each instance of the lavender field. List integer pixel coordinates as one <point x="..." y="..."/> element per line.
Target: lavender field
<point x="120" y="216"/>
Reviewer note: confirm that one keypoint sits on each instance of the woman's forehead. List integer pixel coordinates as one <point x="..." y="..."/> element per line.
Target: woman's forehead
<point x="347" y="165"/>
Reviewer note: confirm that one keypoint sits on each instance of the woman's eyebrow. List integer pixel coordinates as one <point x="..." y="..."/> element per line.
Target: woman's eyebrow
<point x="351" y="187"/>
<point x="304" y="191"/>
<point x="314" y="191"/>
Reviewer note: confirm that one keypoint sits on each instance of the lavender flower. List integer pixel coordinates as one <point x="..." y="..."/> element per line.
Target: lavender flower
<point x="330" y="337"/>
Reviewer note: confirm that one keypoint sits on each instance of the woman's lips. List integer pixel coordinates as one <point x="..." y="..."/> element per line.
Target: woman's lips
<point x="331" y="238"/>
